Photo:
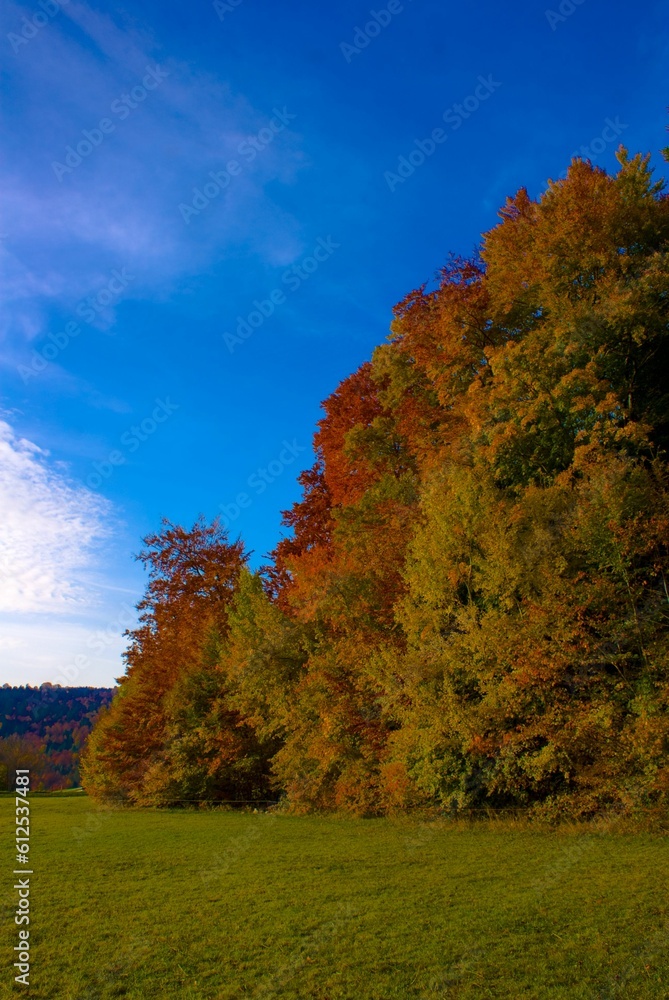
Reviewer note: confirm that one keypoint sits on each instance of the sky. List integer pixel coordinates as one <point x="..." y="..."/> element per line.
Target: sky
<point x="207" y="214"/>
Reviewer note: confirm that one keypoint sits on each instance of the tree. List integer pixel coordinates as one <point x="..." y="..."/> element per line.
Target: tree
<point x="17" y="752"/>
<point x="192" y="579"/>
<point x="471" y="605"/>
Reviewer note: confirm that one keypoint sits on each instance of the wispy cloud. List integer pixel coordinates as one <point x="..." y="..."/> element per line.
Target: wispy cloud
<point x="120" y="205"/>
<point x="50" y="532"/>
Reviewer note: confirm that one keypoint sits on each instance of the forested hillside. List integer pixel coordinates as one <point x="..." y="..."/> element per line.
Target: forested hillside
<point x="471" y="605"/>
<point x="44" y="728"/>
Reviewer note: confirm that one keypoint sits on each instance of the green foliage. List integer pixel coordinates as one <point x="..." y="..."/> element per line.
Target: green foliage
<point x="473" y="606"/>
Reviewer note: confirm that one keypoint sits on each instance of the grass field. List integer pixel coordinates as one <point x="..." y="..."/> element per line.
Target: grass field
<point x="225" y="905"/>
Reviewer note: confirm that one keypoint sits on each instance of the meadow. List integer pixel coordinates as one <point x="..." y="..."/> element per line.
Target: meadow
<point x="220" y="904"/>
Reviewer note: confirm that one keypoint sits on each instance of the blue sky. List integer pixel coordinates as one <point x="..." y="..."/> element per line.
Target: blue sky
<point x="208" y="212"/>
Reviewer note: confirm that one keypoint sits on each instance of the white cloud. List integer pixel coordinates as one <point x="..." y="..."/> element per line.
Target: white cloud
<point x="50" y="530"/>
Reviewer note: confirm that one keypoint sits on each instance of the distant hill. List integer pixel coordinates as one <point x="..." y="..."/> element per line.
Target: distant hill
<point x="44" y="728"/>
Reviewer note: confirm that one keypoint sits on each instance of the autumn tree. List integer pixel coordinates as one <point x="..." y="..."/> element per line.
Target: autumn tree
<point x="192" y="579"/>
<point x="471" y="603"/>
<point x="536" y="614"/>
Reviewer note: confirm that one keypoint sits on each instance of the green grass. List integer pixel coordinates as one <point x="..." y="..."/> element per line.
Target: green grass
<point x="223" y="905"/>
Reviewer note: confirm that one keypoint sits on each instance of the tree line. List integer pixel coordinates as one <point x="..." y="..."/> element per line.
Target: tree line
<point x="470" y="606"/>
<point x="44" y="728"/>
